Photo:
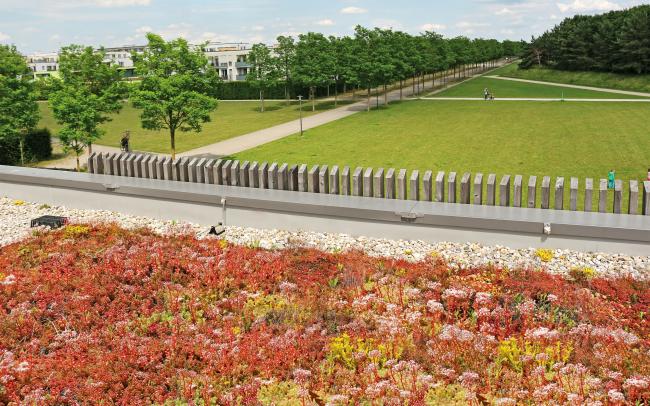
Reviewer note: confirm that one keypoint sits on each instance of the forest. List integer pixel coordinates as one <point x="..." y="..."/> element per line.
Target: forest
<point x="618" y="41"/>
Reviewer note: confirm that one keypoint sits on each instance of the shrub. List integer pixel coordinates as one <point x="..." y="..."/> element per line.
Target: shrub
<point x="38" y="145"/>
<point x="9" y="149"/>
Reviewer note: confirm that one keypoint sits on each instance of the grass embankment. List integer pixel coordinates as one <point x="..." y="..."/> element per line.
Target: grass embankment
<point x="635" y="83"/>
<point x="231" y="119"/>
<point x="528" y="138"/>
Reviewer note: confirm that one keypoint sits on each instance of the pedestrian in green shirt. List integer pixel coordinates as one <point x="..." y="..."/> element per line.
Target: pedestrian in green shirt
<point x="611" y="177"/>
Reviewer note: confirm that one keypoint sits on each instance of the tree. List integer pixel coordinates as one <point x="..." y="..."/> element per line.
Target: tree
<point x="342" y="51"/>
<point x="263" y="73"/>
<point x="314" y="63"/>
<point x="177" y="88"/>
<point x="87" y="92"/>
<point x="18" y="108"/>
<point x="286" y="54"/>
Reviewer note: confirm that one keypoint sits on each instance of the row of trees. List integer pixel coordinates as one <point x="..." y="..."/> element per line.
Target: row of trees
<point x="369" y="59"/>
<point x="618" y="41"/>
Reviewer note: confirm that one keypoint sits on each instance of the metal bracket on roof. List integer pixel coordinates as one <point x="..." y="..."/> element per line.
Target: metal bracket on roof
<point x="111" y="187"/>
<point x="409" y="217"/>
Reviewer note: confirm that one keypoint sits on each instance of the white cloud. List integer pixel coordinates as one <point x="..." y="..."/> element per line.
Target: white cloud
<point x="433" y="27"/>
<point x="257" y="28"/>
<point x="4" y="37"/>
<point x="121" y="3"/>
<point x="470" y="25"/>
<point x="577" y="6"/>
<point x="353" y="10"/>
<point x="143" y="30"/>
<point x="504" y="12"/>
<point x="55" y="37"/>
<point x="325" y="23"/>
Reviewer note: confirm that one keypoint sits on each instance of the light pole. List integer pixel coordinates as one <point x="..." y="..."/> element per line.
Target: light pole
<point x="300" y="102"/>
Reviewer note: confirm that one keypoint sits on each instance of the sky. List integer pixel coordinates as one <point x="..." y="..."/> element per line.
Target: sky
<point x="46" y="25"/>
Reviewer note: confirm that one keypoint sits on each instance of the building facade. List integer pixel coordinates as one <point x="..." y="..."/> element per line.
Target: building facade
<point x="230" y="60"/>
<point x="43" y="65"/>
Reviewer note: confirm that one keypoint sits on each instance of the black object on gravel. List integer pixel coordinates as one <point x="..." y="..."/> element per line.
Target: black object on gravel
<point x="50" y="221"/>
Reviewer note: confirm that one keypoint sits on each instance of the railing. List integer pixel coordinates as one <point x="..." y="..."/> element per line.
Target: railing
<point x="379" y="183"/>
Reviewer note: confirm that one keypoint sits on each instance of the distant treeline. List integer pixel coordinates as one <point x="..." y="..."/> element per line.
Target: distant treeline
<point x="618" y="41"/>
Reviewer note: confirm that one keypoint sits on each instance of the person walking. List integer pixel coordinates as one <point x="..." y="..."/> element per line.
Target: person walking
<point x="486" y="94"/>
<point x="124" y="142"/>
<point x="611" y="179"/>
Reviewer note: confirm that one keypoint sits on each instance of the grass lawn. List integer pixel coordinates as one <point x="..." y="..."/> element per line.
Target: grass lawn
<point x="503" y="88"/>
<point x="635" y="83"/>
<point x="555" y="139"/>
<point x="231" y="119"/>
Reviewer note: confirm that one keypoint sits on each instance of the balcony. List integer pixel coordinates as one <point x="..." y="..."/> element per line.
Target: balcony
<point x="242" y="65"/>
<point x="240" y="77"/>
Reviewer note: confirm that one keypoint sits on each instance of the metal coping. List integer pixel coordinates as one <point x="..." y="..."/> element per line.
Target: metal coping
<point x="418" y="213"/>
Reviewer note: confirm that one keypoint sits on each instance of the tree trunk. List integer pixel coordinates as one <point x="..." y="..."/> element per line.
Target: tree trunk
<point x="90" y="148"/>
<point x="172" y="135"/>
<point x="312" y="92"/>
<point x="78" y="165"/>
<point x="286" y="94"/>
<point x="385" y="95"/>
<point x="401" y="88"/>
<point x="22" y="149"/>
<point x="368" y="98"/>
<point x="413" y="84"/>
<point x="262" y="100"/>
<point x="336" y="94"/>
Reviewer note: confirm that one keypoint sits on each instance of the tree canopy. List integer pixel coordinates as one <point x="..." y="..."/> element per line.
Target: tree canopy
<point x="18" y="107"/>
<point x="264" y="71"/>
<point x="177" y="88"/>
<point x="85" y="95"/>
<point x="618" y="41"/>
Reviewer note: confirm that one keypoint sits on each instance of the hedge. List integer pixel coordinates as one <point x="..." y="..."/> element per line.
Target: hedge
<point x="38" y="146"/>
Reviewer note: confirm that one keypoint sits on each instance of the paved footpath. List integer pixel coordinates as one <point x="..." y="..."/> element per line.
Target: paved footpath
<point x="597" y="89"/>
<point x="532" y="99"/>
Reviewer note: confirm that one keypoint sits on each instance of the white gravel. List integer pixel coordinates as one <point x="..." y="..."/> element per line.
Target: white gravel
<point x="15" y="219"/>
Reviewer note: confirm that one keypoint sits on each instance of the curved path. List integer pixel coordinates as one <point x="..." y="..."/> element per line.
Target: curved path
<point x="597" y="89"/>
<point x="533" y="99"/>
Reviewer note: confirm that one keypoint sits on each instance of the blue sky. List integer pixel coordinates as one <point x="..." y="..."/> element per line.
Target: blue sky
<point x="46" y="25"/>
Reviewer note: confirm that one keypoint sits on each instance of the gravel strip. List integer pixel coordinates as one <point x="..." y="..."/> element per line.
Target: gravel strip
<point x="15" y="219"/>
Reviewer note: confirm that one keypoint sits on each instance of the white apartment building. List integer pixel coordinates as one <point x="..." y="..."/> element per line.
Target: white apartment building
<point x="121" y="56"/>
<point x="228" y="58"/>
<point x="43" y="65"/>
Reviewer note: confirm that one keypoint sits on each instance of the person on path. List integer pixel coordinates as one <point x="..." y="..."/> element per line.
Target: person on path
<point x="611" y="177"/>
<point x="124" y="142"/>
<point x="648" y="175"/>
<point x="486" y="94"/>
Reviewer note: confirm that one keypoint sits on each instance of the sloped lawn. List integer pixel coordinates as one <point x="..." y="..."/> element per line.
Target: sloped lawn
<point x="104" y="315"/>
